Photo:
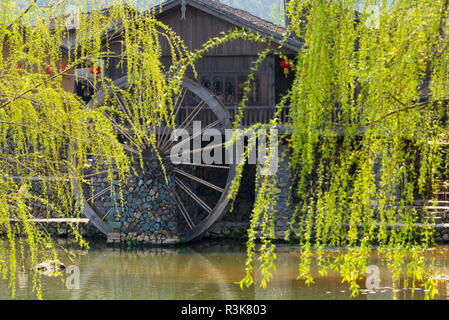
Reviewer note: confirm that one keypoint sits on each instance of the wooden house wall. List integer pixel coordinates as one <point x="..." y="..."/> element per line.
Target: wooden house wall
<point x="233" y="58"/>
<point x="115" y="67"/>
<point x="199" y="27"/>
<point x="67" y="81"/>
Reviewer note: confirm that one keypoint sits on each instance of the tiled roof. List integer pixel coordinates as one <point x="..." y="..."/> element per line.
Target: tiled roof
<point x="244" y="15"/>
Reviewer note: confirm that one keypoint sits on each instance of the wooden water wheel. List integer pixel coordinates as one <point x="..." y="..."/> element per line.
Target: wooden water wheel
<point x="198" y="190"/>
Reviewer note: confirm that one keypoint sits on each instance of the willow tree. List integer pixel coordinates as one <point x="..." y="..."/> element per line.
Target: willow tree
<point x="368" y="114"/>
<point x="46" y="132"/>
<point x="368" y="131"/>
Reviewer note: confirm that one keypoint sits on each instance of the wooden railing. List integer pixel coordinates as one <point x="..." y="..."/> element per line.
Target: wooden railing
<point x="440" y="191"/>
<point x="260" y="114"/>
<point x="251" y="115"/>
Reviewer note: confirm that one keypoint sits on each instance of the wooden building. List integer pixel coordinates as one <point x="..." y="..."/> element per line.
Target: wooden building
<point x="199" y="190"/>
<point x="224" y="70"/>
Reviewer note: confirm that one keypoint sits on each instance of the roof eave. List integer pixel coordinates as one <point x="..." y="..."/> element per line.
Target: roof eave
<point x="279" y="38"/>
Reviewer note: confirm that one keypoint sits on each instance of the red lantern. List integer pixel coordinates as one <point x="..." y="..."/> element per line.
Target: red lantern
<point x="19" y="68"/>
<point x="48" y="70"/>
<point x="63" y="67"/>
<point x="95" y="70"/>
<point x="286" y="65"/>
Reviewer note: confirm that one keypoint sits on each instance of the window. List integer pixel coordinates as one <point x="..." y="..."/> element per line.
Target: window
<point x="205" y="82"/>
<point x="218" y="88"/>
<point x="230" y="89"/>
<point x="253" y="95"/>
<point x="241" y="81"/>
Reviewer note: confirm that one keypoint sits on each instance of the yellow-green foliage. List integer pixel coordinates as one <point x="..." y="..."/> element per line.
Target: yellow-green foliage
<point x="364" y="79"/>
<point x="368" y="115"/>
<point x="46" y="131"/>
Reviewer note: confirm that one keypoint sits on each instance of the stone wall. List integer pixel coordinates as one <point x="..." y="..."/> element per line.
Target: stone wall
<point x="442" y="229"/>
<point x="237" y="229"/>
<point x="55" y="229"/>
<point x="147" y="211"/>
<point x="283" y="210"/>
<point x="236" y="225"/>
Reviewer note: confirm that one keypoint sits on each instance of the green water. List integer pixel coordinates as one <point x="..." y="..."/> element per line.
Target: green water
<point x="202" y="271"/>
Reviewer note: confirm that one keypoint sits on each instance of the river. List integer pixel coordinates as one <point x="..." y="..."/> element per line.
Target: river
<point x="202" y="271"/>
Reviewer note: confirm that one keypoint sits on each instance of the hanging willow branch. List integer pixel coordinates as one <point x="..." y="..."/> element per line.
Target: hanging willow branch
<point x="385" y="83"/>
<point x="47" y="133"/>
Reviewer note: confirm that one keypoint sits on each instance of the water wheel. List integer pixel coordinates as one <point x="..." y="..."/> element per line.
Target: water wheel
<point x="196" y="192"/>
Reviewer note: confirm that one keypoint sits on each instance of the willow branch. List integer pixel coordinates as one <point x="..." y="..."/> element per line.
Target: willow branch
<point x="411" y="107"/>
<point x="61" y="73"/>
<point x="31" y="5"/>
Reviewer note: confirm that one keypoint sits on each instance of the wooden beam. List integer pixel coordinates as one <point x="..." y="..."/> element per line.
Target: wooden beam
<point x="54" y="220"/>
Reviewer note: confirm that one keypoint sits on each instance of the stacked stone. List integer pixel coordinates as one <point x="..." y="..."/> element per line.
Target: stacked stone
<point x="441" y="232"/>
<point x="228" y="230"/>
<point x="442" y="235"/>
<point x="54" y="229"/>
<point x="283" y="211"/>
<point x="146" y="210"/>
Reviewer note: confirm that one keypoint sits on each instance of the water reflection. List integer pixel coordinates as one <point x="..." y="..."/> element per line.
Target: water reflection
<point x="207" y="271"/>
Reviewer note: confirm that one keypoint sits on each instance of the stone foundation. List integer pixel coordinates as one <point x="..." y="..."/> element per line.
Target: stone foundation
<point x="148" y="214"/>
<point x="237" y="229"/>
<point x="56" y="229"/>
<point x="147" y="210"/>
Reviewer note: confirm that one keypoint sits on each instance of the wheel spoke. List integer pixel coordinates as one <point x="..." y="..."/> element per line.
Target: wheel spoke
<point x="170" y="143"/>
<point x="129" y="117"/>
<point x="123" y="131"/>
<point x="122" y="105"/>
<point x="202" y="165"/>
<point x="95" y="174"/>
<point x="99" y="194"/>
<point x="193" y="196"/>
<point x="184" y="211"/>
<point x="192" y="115"/>
<point x="177" y="108"/>
<point x="207" y="148"/>
<point x="181" y="101"/>
<point x="208" y="184"/>
<point x="124" y="146"/>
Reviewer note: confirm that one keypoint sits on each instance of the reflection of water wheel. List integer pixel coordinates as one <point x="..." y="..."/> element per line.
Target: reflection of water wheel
<point x="198" y="191"/>
<point x="154" y="274"/>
